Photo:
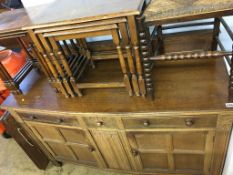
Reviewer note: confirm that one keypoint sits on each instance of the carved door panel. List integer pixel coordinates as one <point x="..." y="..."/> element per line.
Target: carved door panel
<point x="112" y="150"/>
<point x="65" y="144"/>
<point x="178" y="151"/>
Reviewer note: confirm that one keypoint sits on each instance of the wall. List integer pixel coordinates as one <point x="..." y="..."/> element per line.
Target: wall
<point x="31" y="3"/>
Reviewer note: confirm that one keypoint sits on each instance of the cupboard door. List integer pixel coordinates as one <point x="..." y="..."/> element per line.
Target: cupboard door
<point x="65" y="144"/>
<point x="112" y="150"/>
<point x="178" y="151"/>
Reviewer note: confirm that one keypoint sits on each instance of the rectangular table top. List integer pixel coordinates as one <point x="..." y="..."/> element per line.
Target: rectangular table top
<point x="166" y="11"/>
<point x="13" y="21"/>
<point x="63" y="12"/>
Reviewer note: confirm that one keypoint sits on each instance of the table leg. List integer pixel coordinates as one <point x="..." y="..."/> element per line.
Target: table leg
<point x="126" y="43"/>
<point x="231" y="80"/>
<point x="160" y="39"/>
<point x="54" y="67"/>
<point x="25" y="48"/>
<point x="64" y="62"/>
<point x="116" y="40"/>
<point x="8" y="81"/>
<point x="216" y="32"/>
<point x="135" y="43"/>
<point x="146" y="52"/>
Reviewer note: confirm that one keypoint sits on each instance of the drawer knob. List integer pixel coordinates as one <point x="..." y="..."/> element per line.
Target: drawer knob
<point x="33" y="117"/>
<point x="60" y="120"/>
<point x="100" y="123"/>
<point x="146" y="123"/>
<point x="134" y="152"/>
<point x="91" y="149"/>
<point x="189" y="122"/>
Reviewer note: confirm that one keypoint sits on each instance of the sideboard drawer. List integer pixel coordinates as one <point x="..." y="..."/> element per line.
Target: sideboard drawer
<point x="59" y="120"/>
<point x="171" y="122"/>
<point x="100" y="122"/>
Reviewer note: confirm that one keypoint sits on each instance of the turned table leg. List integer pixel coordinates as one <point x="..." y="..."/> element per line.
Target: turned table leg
<point x="146" y="52"/>
<point x="126" y="43"/>
<point x="135" y="43"/>
<point x="215" y="34"/>
<point x="231" y="80"/>
<point x="116" y="40"/>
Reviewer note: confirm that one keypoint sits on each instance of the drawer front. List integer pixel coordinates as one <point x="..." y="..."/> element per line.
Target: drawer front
<point x="100" y="122"/>
<point x="171" y="122"/>
<point x="58" y="120"/>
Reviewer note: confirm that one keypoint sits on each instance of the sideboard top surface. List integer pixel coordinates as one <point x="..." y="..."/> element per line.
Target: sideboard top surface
<point x="181" y="86"/>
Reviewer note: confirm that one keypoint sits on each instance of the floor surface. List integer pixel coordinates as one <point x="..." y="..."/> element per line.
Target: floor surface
<point x="13" y="161"/>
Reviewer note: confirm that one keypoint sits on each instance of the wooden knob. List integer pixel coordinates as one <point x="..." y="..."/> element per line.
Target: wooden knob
<point x="91" y="149"/>
<point x="33" y="117"/>
<point x="100" y="123"/>
<point x="189" y="122"/>
<point x="134" y="152"/>
<point x="60" y="120"/>
<point x="146" y="123"/>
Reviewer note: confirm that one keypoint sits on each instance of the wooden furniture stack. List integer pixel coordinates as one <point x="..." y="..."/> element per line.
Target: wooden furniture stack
<point x="11" y="28"/>
<point x="184" y="129"/>
<point x="63" y="46"/>
<point x="161" y="13"/>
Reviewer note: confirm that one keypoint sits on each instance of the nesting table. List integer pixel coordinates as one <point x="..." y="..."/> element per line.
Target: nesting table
<point x="11" y="24"/>
<point x="161" y="13"/>
<point x="116" y="20"/>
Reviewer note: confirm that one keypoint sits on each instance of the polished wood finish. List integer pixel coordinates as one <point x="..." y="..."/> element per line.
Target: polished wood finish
<point x="49" y="31"/>
<point x="180" y="132"/>
<point x="163" y="71"/>
<point x="44" y="16"/>
<point x="184" y="130"/>
<point x="183" y="11"/>
<point x="161" y="12"/>
<point x="191" y="55"/>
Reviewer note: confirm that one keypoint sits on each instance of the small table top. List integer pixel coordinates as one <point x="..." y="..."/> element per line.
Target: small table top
<point x="75" y="11"/>
<point x="167" y="11"/>
<point x="13" y="21"/>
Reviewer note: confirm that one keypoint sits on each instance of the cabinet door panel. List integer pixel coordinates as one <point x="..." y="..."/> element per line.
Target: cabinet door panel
<point x="151" y="141"/>
<point x="189" y="141"/>
<point x="112" y="150"/>
<point x="60" y="151"/>
<point x="189" y="162"/>
<point x="66" y="144"/>
<point x="46" y="132"/>
<point x="186" y="151"/>
<point x="154" y="161"/>
<point x="83" y="154"/>
<point x="74" y="136"/>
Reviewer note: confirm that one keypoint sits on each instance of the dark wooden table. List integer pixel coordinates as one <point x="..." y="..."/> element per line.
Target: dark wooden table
<point x="165" y="14"/>
<point x="166" y="11"/>
<point x="11" y="23"/>
<point x="88" y="12"/>
<point x="78" y="11"/>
